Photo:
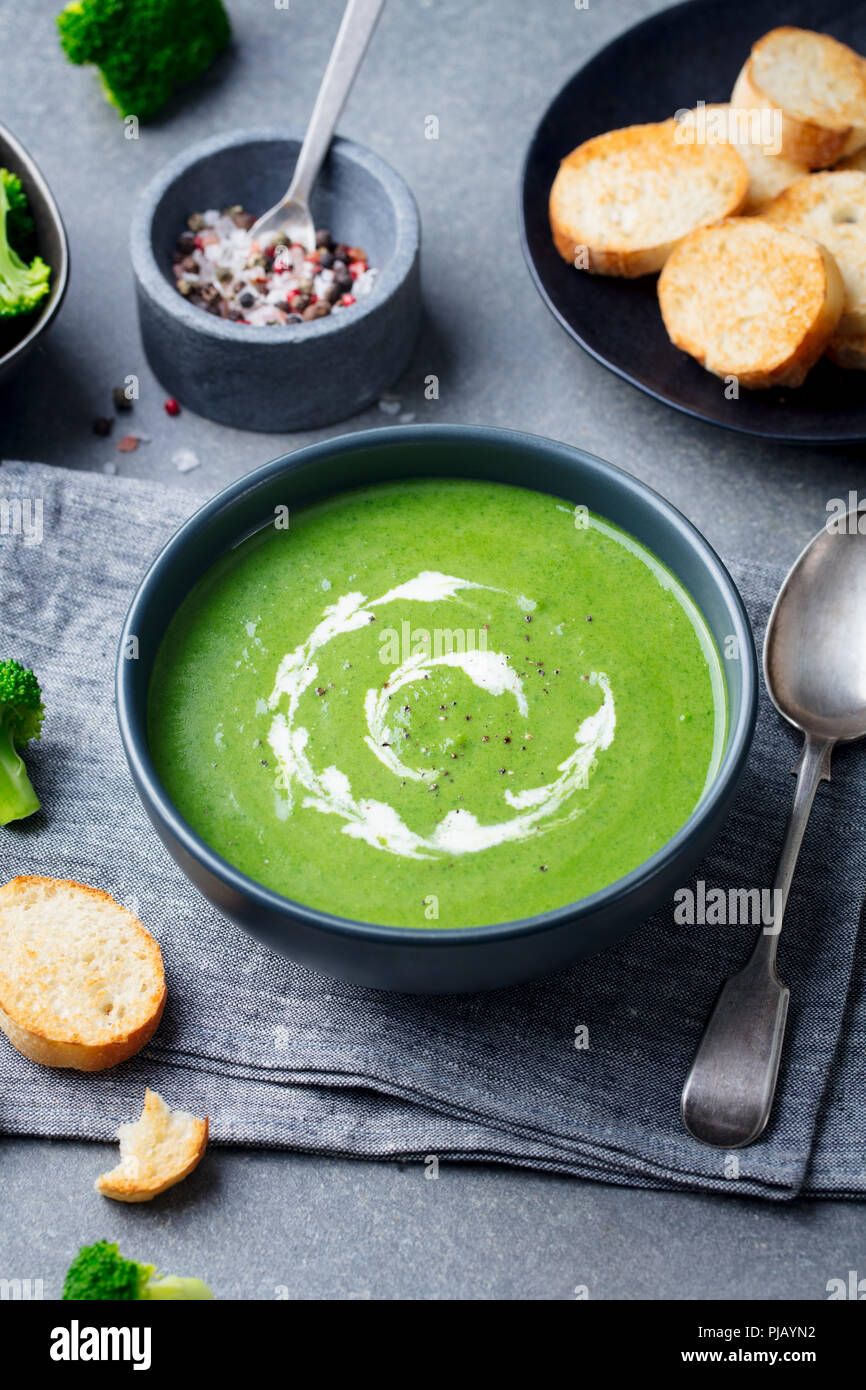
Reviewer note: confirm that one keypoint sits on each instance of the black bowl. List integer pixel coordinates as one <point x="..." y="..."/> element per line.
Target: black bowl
<point x="450" y="959"/>
<point x="51" y="245"/>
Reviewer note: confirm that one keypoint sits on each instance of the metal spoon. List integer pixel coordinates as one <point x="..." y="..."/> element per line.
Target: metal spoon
<point x="292" y="213"/>
<point x="815" y="669"/>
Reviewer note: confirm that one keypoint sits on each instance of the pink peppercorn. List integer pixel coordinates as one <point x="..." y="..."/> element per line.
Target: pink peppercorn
<point x="347" y="299"/>
<point x="172" y="407"/>
<point x="357" y="268"/>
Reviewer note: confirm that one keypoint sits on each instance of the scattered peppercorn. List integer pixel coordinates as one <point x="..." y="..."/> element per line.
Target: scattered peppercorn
<point x="102" y="425"/>
<point x="120" y="398"/>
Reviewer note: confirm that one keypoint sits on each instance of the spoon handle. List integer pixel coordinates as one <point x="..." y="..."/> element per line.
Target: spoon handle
<point x="729" y="1090"/>
<point x="350" y="45"/>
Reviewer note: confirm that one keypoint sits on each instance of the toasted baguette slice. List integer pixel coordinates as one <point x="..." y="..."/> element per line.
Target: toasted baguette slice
<point x="817" y="83"/>
<point x="157" y="1151"/>
<point x="721" y="123"/>
<point x="81" y="981"/>
<point x="848" y="352"/>
<point x="751" y="300"/>
<point x="621" y="201"/>
<point x="853" y="161"/>
<point x="831" y="207"/>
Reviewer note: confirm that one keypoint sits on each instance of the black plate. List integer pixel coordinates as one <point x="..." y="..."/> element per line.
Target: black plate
<point x="674" y="59"/>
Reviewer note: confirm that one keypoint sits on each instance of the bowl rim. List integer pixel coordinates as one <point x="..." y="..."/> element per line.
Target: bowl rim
<point x="134" y="733"/>
<point x="153" y="282"/>
<point x="60" y="272"/>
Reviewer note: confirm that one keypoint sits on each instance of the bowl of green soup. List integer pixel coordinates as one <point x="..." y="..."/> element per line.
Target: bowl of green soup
<point x="439" y="708"/>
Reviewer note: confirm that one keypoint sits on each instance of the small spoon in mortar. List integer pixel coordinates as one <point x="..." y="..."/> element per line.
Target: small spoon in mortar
<point x="292" y="213"/>
<point x="815" y="670"/>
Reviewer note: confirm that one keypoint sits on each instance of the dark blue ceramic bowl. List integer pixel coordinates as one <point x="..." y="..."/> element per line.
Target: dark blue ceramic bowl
<point x="466" y="958"/>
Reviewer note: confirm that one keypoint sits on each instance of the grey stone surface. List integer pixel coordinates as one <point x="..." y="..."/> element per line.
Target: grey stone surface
<point x="254" y="1221"/>
<point x="257" y="1224"/>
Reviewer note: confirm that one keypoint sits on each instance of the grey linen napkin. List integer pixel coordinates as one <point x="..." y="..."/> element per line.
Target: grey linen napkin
<point x="279" y="1056"/>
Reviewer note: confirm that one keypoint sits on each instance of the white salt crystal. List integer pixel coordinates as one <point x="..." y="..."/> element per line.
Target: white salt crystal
<point x="365" y="283"/>
<point x="185" y="460"/>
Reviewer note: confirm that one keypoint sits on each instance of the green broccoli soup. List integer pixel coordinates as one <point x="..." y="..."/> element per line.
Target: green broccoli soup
<point x="437" y="703"/>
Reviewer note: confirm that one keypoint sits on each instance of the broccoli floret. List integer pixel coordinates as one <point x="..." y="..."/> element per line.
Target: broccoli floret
<point x="19" y="222"/>
<point x="21" y="286"/>
<point x="145" y="49"/>
<point x="21" y="715"/>
<point x="100" y="1272"/>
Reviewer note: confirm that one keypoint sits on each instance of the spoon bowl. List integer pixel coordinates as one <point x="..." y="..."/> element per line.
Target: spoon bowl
<point x="815" y="649"/>
<point x="291" y="219"/>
